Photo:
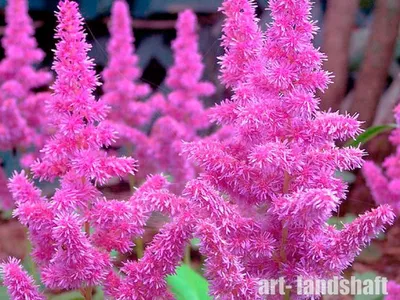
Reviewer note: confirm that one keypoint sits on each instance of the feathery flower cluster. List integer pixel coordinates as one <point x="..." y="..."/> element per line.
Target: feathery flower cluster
<point x="183" y="112"/>
<point x="67" y="257"/>
<point x="393" y="289"/>
<point x="19" y="284"/>
<point x="121" y="89"/>
<point x="184" y="77"/>
<point x="18" y="76"/>
<point x="259" y="208"/>
<point x="73" y="232"/>
<point x="277" y="171"/>
<point x="385" y="186"/>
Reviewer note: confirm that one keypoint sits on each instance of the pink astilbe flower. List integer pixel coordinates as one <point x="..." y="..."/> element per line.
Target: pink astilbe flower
<point x="18" y="77"/>
<point x="21" y="52"/>
<point x="276" y="173"/>
<point x="385" y="190"/>
<point x="145" y="279"/>
<point x="182" y="113"/>
<point x="242" y="41"/>
<point x="75" y="261"/>
<point x="393" y="289"/>
<point x="20" y="285"/>
<point x="385" y="183"/>
<point x="76" y="114"/>
<point x="121" y="88"/>
<point x="184" y="76"/>
<point x="70" y="258"/>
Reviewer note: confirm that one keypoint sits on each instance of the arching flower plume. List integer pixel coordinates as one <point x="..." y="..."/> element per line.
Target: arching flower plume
<point x="73" y="232"/>
<point x="278" y="167"/>
<point x="19" y="284"/>
<point x="68" y="257"/>
<point x="385" y="184"/>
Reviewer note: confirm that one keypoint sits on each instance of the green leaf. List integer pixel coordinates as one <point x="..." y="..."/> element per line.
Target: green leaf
<point x="365" y="276"/>
<point x="3" y="293"/>
<point x="195" y="243"/>
<point x="30" y="266"/>
<point x="346" y="176"/>
<point x="7" y="215"/>
<point x="73" y="295"/>
<point x="369" y="134"/>
<point x="188" y="285"/>
<point x="114" y="254"/>
<point x="370" y="254"/>
<point x="99" y="295"/>
<point x="340" y="221"/>
<point x="76" y="295"/>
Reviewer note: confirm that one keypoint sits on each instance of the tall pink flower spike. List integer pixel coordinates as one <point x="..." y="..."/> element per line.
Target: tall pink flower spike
<point x="184" y="77"/>
<point x="385" y="186"/>
<point x="276" y="174"/>
<point x="73" y="232"/>
<point x="122" y="91"/>
<point x="20" y="106"/>
<point x="18" y="77"/>
<point x="183" y="112"/>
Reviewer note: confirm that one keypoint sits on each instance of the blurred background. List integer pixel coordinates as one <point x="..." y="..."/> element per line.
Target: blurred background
<point x="360" y="37"/>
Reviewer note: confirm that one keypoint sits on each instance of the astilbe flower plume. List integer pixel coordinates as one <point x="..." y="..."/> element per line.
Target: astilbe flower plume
<point x="19" y="284"/>
<point x="73" y="232"/>
<point x="184" y="77"/>
<point x="21" y="51"/>
<point x="393" y="289"/>
<point x="67" y="256"/>
<point x="18" y="77"/>
<point x="182" y="112"/>
<point x="277" y="170"/>
<point x="122" y="91"/>
<point x="385" y="184"/>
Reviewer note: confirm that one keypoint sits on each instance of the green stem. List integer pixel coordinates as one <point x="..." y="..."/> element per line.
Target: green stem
<point x="187" y="258"/>
<point x="139" y="248"/>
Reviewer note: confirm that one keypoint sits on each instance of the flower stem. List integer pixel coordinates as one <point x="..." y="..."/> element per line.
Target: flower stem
<point x="139" y="247"/>
<point x="285" y="232"/>
<point x="187" y="258"/>
<point x="87" y="292"/>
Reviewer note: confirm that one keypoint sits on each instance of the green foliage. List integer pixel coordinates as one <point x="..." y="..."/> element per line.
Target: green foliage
<point x="30" y="266"/>
<point x="73" y="295"/>
<point x="370" y="254"/>
<point x="3" y="293"/>
<point x="369" y="134"/>
<point x="195" y="243"/>
<point x="76" y="295"/>
<point x="188" y="285"/>
<point x="340" y="221"/>
<point x="346" y="176"/>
